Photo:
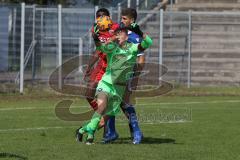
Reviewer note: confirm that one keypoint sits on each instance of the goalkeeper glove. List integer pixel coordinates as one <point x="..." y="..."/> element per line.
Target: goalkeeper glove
<point x="95" y="33"/>
<point x="136" y="29"/>
<point x="95" y="29"/>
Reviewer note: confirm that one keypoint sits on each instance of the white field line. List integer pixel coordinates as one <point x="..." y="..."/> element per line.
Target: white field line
<point x="33" y="108"/>
<point x="32" y="129"/>
<point x="64" y="127"/>
<point x="140" y="104"/>
<point x="143" y="123"/>
<point x="182" y="103"/>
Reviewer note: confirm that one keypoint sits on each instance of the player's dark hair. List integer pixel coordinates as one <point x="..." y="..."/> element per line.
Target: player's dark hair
<point x="102" y="12"/>
<point x="129" y="12"/>
<point x="121" y="29"/>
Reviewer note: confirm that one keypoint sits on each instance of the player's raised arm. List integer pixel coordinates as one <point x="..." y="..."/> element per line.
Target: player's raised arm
<point x="146" y="43"/>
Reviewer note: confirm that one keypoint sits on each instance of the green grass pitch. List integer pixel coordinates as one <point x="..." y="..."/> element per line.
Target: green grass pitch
<point x="175" y="128"/>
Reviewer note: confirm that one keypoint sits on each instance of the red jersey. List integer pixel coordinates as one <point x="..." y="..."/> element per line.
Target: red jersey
<point x="100" y="68"/>
<point x="104" y="36"/>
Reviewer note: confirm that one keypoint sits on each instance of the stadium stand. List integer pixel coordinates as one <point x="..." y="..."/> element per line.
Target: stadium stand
<point x="215" y="40"/>
<point x="207" y="5"/>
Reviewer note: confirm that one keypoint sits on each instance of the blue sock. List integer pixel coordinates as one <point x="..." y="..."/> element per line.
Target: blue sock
<point x="110" y="125"/>
<point x="132" y="117"/>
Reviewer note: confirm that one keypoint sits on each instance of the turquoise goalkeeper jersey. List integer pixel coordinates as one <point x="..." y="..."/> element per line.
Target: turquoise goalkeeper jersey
<point x="119" y="70"/>
<point x="121" y="60"/>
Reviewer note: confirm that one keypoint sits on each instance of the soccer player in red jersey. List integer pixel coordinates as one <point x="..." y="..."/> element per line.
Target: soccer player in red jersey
<point x="98" y="62"/>
<point x="95" y="71"/>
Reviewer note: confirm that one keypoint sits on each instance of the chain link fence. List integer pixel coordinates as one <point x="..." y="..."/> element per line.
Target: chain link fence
<point x="187" y="43"/>
<point x="44" y="50"/>
<point x="10" y="38"/>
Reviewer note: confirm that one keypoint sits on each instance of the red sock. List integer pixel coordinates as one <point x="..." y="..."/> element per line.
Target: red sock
<point x="94" y="105"/>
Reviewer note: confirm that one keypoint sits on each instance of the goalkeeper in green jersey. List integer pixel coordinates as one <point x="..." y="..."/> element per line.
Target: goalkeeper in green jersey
<point x="121" y="57"/>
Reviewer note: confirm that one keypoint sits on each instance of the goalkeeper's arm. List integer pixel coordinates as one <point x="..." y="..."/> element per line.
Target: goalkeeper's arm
<point x="146" y="43"/>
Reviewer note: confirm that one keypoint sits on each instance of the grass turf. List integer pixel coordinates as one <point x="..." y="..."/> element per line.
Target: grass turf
<point x="174" y="127"/>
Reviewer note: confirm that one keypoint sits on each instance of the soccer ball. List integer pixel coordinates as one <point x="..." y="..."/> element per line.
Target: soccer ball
<point x="104" y="23"/>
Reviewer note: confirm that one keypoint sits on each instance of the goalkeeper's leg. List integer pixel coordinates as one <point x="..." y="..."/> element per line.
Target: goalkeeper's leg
<point x="92" y="126"/>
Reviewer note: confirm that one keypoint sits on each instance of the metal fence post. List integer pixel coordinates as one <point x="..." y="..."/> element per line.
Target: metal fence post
<point x="95" y="10"/>
<point x="189" y="47"/>
<point x="33" y="39"/>
<point x="161" y="37"/>
<point x="137" y="5"/>
<point x="60" y="46"/>
<point x="14" y="32"/>
<point x="111" y="11"/>
<point x="129" y="3"/>
<point x="146" y="4"/>
<point x="160" y="42"/>
<point x="22" y="47"/>
<point x="41" y="36"/>
<point x="171" y="6"/>
<point x="80" y="52"/>
<point x="171" y="18"/>
<point x="119" y="11"/>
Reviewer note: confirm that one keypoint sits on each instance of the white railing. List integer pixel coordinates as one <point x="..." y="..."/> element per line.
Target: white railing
<point x="49" y="43"/>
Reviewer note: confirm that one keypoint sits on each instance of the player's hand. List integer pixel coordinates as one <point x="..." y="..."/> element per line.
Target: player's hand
<point x="136" y="29"/>
<point x="108" y="41"/>
<point x="96" y="29"/>
<point x="95" y="32"/>
<point x="114" y="38"/>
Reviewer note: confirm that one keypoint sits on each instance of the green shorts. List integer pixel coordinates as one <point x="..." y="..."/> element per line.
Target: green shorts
<point x="115" y="95"/>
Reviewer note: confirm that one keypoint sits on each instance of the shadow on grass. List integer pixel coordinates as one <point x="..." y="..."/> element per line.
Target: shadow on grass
<point x="146" y="140"/>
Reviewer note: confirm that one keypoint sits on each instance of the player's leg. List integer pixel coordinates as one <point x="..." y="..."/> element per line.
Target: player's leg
<point x="110" y="130"/>
<point x="111" y="133"/>
<point x="92" y="125"/>
<point x="104" y="91"/>
<point x="95" y="77"/>
<point x="90" y="77"/>
<point x="90" y="94"/>
<point x="92" y="85"/>
<point x="126" y="100"/>
<point x="130" y="112"/>
<point x="102" y="62"/>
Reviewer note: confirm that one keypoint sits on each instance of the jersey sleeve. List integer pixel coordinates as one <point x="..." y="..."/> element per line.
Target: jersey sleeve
<point x="146" y="42"/>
